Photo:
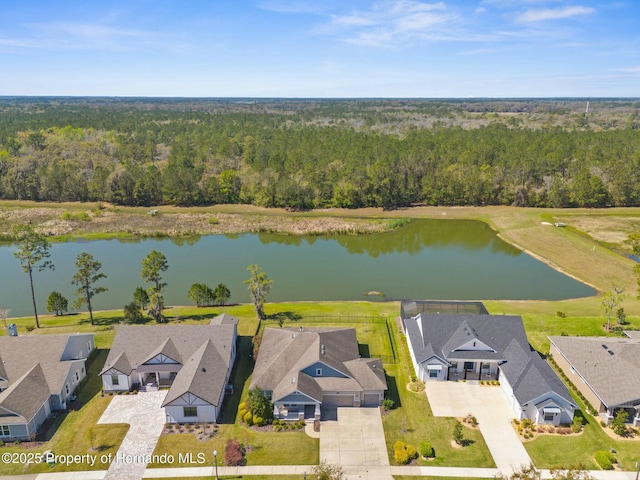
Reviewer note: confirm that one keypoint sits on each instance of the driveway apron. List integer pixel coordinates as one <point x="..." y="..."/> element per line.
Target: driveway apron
<point x="146" y="418"/>
<point x="489" y="405"/>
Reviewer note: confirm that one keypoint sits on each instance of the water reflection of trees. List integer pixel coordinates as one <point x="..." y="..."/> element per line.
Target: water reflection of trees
<point x="412" y="238"/>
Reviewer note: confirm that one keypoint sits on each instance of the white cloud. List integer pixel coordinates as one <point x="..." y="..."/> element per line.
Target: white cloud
<point x="531" y="16"/>
<point x="630" y="69"/>
<point x="393" y="23"/>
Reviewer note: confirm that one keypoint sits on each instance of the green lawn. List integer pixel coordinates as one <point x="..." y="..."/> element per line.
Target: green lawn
<point x="412" y="422"/>
<point x="71" y="437"/>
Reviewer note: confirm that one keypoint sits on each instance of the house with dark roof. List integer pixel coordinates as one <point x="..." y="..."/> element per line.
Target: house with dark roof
<point x="38" y="375"/>
<point x="605" y="369"/>
<point x="193" y="361"/>
<point x="474" y="347"/>
<point x="305" y="371"/>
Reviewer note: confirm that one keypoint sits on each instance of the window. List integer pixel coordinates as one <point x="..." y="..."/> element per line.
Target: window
<point x="190" y="411"/>
<point x="469" y="365"/>
<point x="115" y="380"/>
<point x="77" y="378"/>
<point x="83" y="370"/>
<point x="454" y="365"/>
<point x="548" y="417"/>
<point x="433" y="374"/>
<point x="319" y="372"/>
<point x="66" y="388"/>
<point x="485" y="366"/>
<point x="4" y="430"/>
<point x="88" y="346"/>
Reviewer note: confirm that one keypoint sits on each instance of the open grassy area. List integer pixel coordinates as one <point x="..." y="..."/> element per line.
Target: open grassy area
<point x="70" y="433"/>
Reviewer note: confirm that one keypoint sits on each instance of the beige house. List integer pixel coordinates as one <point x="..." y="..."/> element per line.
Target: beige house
<point x="193" y="361"/>
<point x="311" y="370"/>
<point x="605" y="369"/>
<point x="38" y="375"/>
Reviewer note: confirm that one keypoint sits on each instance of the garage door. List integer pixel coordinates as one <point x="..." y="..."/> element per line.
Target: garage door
<point x="371" y="400"/>
<point x="337" y="401"/>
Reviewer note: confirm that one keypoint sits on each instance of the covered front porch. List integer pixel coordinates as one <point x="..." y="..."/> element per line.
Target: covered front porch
<point x="473" y="370"/>
<point x="155" y="376"/>
<point x="296" y="411"/>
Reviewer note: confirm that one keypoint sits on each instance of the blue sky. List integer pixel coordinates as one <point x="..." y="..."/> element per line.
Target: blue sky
<point x="321" y="48"/>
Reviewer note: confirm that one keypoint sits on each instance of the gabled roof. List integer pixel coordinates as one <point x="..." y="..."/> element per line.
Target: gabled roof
<point x="20" y="354"/>
<point x="442" y="334"/>
<point x="140" y="343"/>
<point x="166" y="348"/>
<point x="284" y="353"/>
<point x="25" y="396"/>
<point x="203" y="375"/>
<point x="224" y="319"/>
<point x="609" y="365"/>
<point x="120" y="363"/>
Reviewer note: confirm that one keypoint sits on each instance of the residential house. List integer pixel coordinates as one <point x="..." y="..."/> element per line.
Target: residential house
<point x="479" y="346"/>
<point x="605" y="369"/>
<point x="306" y="371"/>
<point x="38" y="375"/>
<point x="193" y="361"/>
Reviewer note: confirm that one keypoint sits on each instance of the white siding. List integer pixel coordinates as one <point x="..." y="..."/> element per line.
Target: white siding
<point x="123" y="383"/>
<point x="511" y="398"/>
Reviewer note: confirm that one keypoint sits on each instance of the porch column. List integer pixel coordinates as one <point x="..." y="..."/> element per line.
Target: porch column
<point x="140" y="379"/>
<point x="158" y="379"/>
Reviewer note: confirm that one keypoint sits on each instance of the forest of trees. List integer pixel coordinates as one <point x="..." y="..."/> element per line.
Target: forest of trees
<point x="318" y="154"/>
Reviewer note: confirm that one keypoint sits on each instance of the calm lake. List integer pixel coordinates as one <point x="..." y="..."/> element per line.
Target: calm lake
<point x="426" y="259"/>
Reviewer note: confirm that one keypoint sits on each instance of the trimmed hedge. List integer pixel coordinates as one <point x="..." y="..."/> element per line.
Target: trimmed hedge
<point x="605" y="459"/>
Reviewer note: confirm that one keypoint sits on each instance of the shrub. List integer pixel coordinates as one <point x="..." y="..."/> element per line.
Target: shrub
<point x="387" y="404"/>
<point x="30" y="328"/>
<point x="248" y="418"/>
<point x="233" y="453"/>
<point x="576" y="424"/>
<point x="605" y="459"/>
<point x="411" y="452"/>
<point x="618" y="425"/>
<point x="425" y="449"/>
<point x="400" y="453"/>
<point x="560" y="314"/>
<point x="259" y="421"/>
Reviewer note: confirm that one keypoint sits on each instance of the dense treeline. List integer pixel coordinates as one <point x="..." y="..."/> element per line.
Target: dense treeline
<point x="316" y="154"/>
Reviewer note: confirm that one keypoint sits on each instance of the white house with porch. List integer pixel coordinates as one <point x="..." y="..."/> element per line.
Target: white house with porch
<point x="193" y="362"/>
<point x="482" y="347"/>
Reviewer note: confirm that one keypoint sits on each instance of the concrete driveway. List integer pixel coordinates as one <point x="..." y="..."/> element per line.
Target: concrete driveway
<point x="490" y="407"/>
<point x="146" y="419"/>
<point x="354" y="441"/>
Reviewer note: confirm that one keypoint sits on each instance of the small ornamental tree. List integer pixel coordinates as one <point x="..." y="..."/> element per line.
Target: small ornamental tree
<point x="618" y="424"/>
<point x="233" y="453"/>
<point x="57" y="303"/>
<point x="457" y="433"/>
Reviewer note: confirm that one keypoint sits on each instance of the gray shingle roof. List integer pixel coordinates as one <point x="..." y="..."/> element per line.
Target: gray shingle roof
<point x="25" y="396"/>
<point x="615" y="376"/>
<point x="139" y="342"/>
<point x="203" y="375"/>
<point x="527" y="373"/>
<point x="205" y="350"/>
<point x="224" y="319"/>
<point x="285" y="352"/>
